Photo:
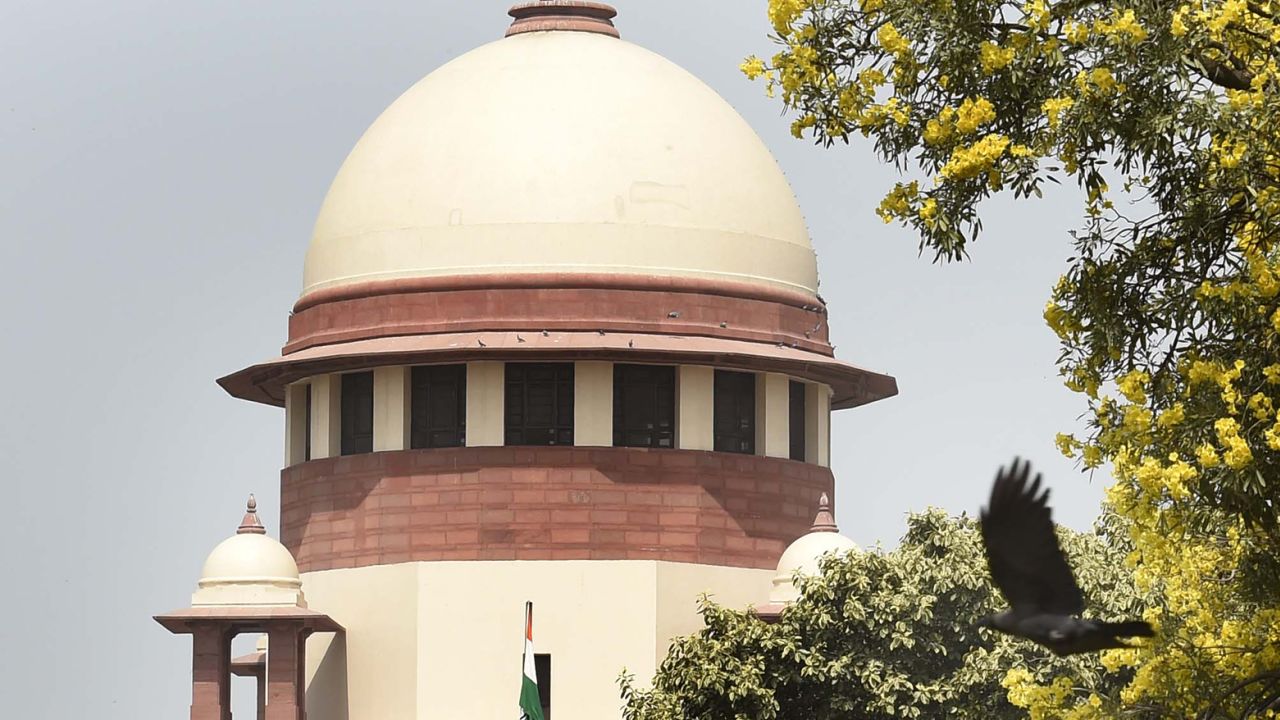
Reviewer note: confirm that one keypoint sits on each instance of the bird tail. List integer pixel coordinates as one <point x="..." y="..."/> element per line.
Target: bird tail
<point x="1130" y="628"/>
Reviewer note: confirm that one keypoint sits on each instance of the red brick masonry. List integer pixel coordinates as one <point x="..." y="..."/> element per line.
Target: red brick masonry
<point x="583" y="303"/>
<point x="558" y="503"/>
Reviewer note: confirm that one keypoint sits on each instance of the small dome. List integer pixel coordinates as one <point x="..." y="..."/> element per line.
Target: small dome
<point x="807" y="551"/>
<point x="553" y="152"/>
<point x="249" y="568"/>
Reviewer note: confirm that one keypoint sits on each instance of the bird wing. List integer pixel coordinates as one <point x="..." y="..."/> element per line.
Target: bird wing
<point x="1022" y="548"/>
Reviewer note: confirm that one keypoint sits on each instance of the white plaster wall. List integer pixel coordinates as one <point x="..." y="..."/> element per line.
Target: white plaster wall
<point x="370" y="671"/>
<point x="443" y="639"/>
<point x="680" y="584"/>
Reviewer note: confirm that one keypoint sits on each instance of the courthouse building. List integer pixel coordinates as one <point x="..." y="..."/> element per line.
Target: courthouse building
<point x="558" y="340"/>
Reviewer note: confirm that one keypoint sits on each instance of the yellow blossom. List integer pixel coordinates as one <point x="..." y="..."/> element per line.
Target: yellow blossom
<point x="1172" y="416"/>
<point x="1133" y="385"/>
<point x="970" y="162"/>
<point x="753" y="67"/>
<point x="1054" y="107"/>
<point x="974" y="113"/>
<point x="1207" y="456"/>
<point x="993" y="57"/>
<point x="892" y="41"/>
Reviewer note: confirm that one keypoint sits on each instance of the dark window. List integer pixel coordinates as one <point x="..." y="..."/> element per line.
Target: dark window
<point x="542" y="666"/>
<point x="796" y="421"/>
<point x="438" y="406"/>
<point x="644" y="406"/>
<point x="357" y="413"/>
<point x="539" y="400"/>
<point x="306" y="428"/>
<point x="735" y="412"/>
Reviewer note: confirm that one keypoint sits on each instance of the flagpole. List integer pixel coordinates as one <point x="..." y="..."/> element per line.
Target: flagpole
<point x="530" y="703"/>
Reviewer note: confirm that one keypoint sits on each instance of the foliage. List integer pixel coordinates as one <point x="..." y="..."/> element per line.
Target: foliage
<point x="881" y="635"/>
<point x="1169" y="312"/>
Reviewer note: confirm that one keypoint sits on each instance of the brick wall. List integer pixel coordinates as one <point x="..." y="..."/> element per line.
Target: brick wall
<point x="560" y="309"/>
<point x="555" y="503"/>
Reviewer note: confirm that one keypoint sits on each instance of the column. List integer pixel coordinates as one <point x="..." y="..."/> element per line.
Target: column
<point x="210" y="673"/>
<point x="326" y="428"/>
<point x="296" y="422"/>
<point x="485" y="410"/>
<point x="593" y="403"/>
<point x="285" y="667"/>
<point x="817" y="408"/>
<point x="391" y="406"/>
<point x="695" y="409"/>
<point x="773" y="415"/>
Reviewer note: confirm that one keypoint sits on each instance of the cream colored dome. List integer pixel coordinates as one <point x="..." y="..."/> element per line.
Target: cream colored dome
<point x="555" y="152"/>
<point x="805" y="554"/>
<point x="245" y="558"/>
<point x="249" y="568"/>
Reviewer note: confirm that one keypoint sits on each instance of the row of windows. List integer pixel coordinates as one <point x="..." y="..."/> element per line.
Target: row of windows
<point x="539" y="408"/>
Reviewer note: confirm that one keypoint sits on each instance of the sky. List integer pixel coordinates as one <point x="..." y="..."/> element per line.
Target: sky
<point x="163" y="164"/>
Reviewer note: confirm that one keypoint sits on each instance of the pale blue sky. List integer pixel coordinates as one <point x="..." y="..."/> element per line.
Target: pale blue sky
<point x="163" y="164"/>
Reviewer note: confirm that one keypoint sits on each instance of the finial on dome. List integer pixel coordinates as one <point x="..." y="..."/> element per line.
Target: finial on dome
<point x="571" y="15"/>
<point x="251" y="523"/>
<point x="824" y="521"/>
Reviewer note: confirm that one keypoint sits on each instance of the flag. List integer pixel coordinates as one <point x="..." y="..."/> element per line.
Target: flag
<point x="530" y="701"/>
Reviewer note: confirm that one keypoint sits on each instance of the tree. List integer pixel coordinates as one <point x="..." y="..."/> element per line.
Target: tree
<point x="1166" y="115"/>
<point x="881" y="635"/>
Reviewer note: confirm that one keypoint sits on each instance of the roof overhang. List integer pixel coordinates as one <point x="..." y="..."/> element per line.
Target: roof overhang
<point x="246" y="619"/>
<point x="851" y="385"/>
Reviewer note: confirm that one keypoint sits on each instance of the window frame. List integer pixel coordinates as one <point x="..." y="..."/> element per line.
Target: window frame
<point x="517" y="389"/>
<point x="797" y="410"/>
<point x="734" y="404"/>
<point x="424" y="381"/>
<point x="658" y="381"/>
<point x="352" y="441"/>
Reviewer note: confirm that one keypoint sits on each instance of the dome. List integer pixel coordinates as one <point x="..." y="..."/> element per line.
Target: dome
<point x="807" y="551"/>
<point x="553" y="152"/>
<point x="249" y="568"/>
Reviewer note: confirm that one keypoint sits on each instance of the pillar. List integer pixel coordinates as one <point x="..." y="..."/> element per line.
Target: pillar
<point x="326" y="428"/>
<point x="817" y="408"/>
<point x="296" y="398"/>
<point x="593" y="403"/>
<point x="773" y="415"/>
<point x="286" y="668"/>
<point x="211" y="673"/>
<point x="486" y="387"/>
<point x="391" y="406"/>
<point x="695" y="408"/>
<point x="261" y="680"/>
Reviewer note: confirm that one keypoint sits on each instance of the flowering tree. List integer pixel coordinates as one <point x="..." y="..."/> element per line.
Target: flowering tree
<point x="1166" y="113"/>
<point x="883" y="635"/>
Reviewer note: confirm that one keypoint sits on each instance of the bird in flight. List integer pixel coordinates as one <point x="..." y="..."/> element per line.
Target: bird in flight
<point x="1032" y="573"/>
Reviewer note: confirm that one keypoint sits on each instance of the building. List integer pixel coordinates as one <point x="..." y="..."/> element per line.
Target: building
<point x="559" y="340"/>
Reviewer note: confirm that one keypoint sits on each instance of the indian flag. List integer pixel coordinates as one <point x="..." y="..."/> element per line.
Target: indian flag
<point x="530" y="702"/>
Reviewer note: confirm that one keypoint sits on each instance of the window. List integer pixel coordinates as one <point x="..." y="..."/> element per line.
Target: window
<point x="735" y="412"/>
<point x="357" y="413"/>
<point x="644" y="406"/>
<point x="539" y="404"/>
<point x="795" y="422"/>
<point x="542" y="666"/>
<point x="438" y="406"/>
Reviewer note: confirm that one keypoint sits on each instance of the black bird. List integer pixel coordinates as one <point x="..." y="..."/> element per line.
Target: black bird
<point x="1032" y="573"/>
